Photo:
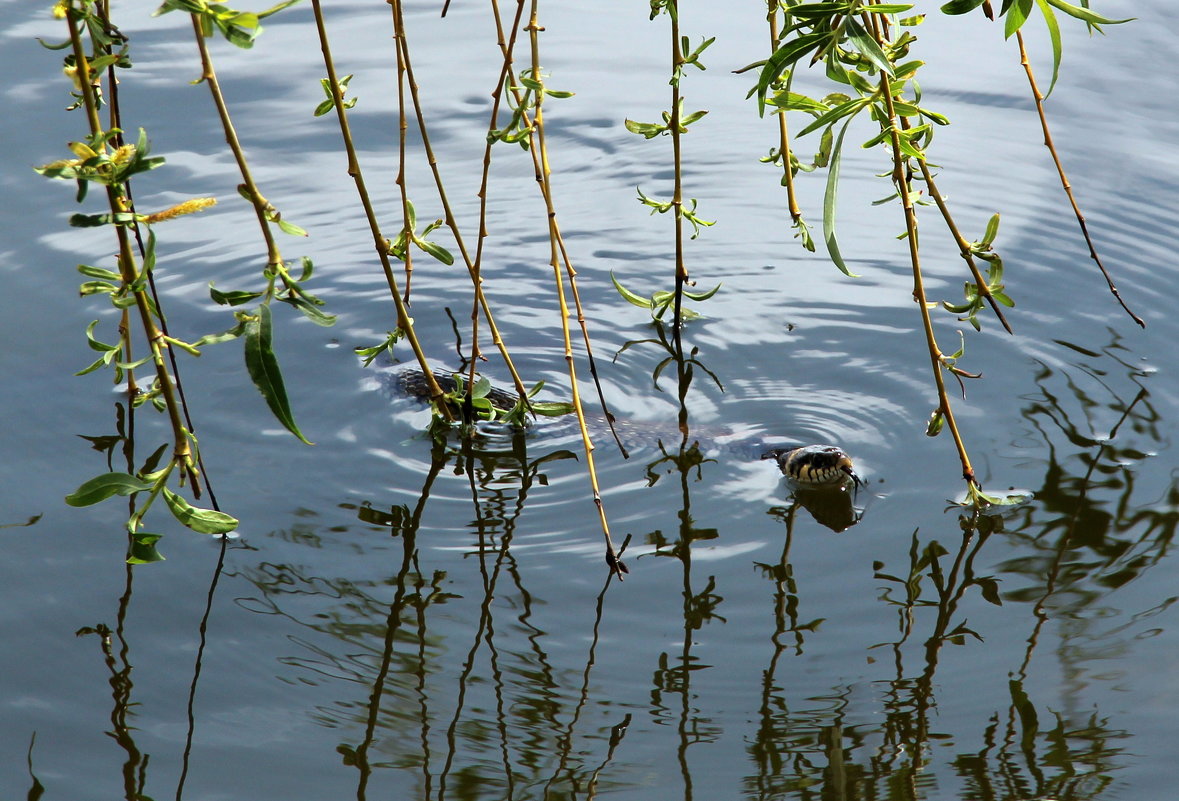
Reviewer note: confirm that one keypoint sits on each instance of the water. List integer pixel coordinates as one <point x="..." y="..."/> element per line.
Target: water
<point x="397" y="620"/>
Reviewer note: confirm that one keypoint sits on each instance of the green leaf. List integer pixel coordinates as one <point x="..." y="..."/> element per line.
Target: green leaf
<point x="936" y="421"/>
<point x="1054" y="37"/>
<point x="830" y="196"/>
<point x="797" y="102"/>
<point x="311" y="311"/>
<point x="888" y="8"/>
<point x="961" y="6"/>
<point x="263" y="369"/>
<point x="1087" y="15"/>
<point x="224" y="336"/>
<point x="276" y="8"/>
<point x="933" y="116"/>
<point x="101" y="487"/>
<point x="782" y="58"/>
<point x="647" y="130"/>
<point x="627" y="295"/>
<point x="98" y="272"/>
<point x="868" y="47"/>
<point x="202" y="521"/>
<point x="1017" y="15"/>
<point x="233" y="297"/>
<point x="851" y="107"/>
<point x="702" y="295"/>
<point x="435" y="250"/>
<point x="992" y="230"/>
<point x="552" y="408"/>
<point x="142" y="550"/>
<point x="290" y="228"/>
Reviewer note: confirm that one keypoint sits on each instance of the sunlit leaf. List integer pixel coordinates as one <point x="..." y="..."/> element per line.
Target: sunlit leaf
<point x="868" y="46"/>
<point x="830" y="197"/>
<point x="202" y="521"/>
<point x="782" y="58"/>
<point x="1017" y="15"/>
<point x="1087" y="15"/>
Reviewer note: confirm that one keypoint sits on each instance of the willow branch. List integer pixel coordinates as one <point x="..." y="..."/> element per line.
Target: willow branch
<point x="1064" y="182"/>
<point x="404" y="322"/>
<point x="901" y="179"/>
<point x="542" y="177"/>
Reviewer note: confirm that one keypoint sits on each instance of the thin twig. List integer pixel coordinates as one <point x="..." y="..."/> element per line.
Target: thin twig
<point x="900" y="178"/>
<point x="404" y="322"/>
<point x="1064" y="182"/>
<point x="963" y="245"/>
<point x="612" y="558"/>
<point x="448" y="214"/>
<point x="545" y="186"/>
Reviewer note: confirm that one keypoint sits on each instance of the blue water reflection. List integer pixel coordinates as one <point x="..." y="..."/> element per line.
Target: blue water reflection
<point x="411" y="618"/>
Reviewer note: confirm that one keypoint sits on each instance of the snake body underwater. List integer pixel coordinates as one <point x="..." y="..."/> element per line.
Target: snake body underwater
<point x="808" y="466"/>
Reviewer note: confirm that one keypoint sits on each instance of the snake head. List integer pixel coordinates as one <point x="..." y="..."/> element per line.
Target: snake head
<point x="815" y="465"/>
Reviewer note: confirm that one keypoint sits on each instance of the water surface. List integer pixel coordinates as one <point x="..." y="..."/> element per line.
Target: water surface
<point x="410" y="620"/>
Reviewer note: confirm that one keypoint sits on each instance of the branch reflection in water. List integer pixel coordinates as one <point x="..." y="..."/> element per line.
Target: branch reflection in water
<point x="512" y="722"/>
<point x="506" y="700"/>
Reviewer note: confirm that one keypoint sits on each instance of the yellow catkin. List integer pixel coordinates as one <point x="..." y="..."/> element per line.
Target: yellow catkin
<point x="190" y="206"/>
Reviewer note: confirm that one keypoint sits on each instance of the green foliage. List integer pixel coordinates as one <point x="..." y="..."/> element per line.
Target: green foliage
<point x="688" y="213"/>
<point x="369" y="354"/>
<point x="105" y="486"/>
<point x="239" y="28"/>
<point x="482" y="407"/>
<point x="263" y="368"/>
<point x="397" y="249"/>
<point x="976" y="299"/>
<point x="330" y="103"/>
<point x="101" y="162"/>
<point x="661" y="301"/>
<point x="521" y="98"/>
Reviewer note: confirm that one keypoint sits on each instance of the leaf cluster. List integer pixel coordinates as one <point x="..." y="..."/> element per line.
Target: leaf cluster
<point x="239" y="28"/>
<point x="397" y="248"/>
<point x="522" y="97"/>
<point x="100" y="160"/>
<point x="1016" y="12"/>
<point x="662" y="300"/>
<point x="975" y="297"/>
<point x="483" y="407"/>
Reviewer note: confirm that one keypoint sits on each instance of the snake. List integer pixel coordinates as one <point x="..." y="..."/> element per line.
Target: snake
<point x="808" y="466"/>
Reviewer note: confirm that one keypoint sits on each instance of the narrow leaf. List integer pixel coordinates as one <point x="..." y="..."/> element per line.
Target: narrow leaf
<point x="627" y="295"/>
<point x="992" y="230"/>
<point x="782" y="58"/>
<point x="1087" y="15"/>
<point x="842" y="110"/>
<point x="437" y="251"/>
<point x="264" y="371"/>
<point x="1054" y="36"/>
<point x="830" y="197"/>
<point x="868" y="47"/>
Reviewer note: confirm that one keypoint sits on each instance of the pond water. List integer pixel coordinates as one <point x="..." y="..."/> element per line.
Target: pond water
<point x="404" y="619"/>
